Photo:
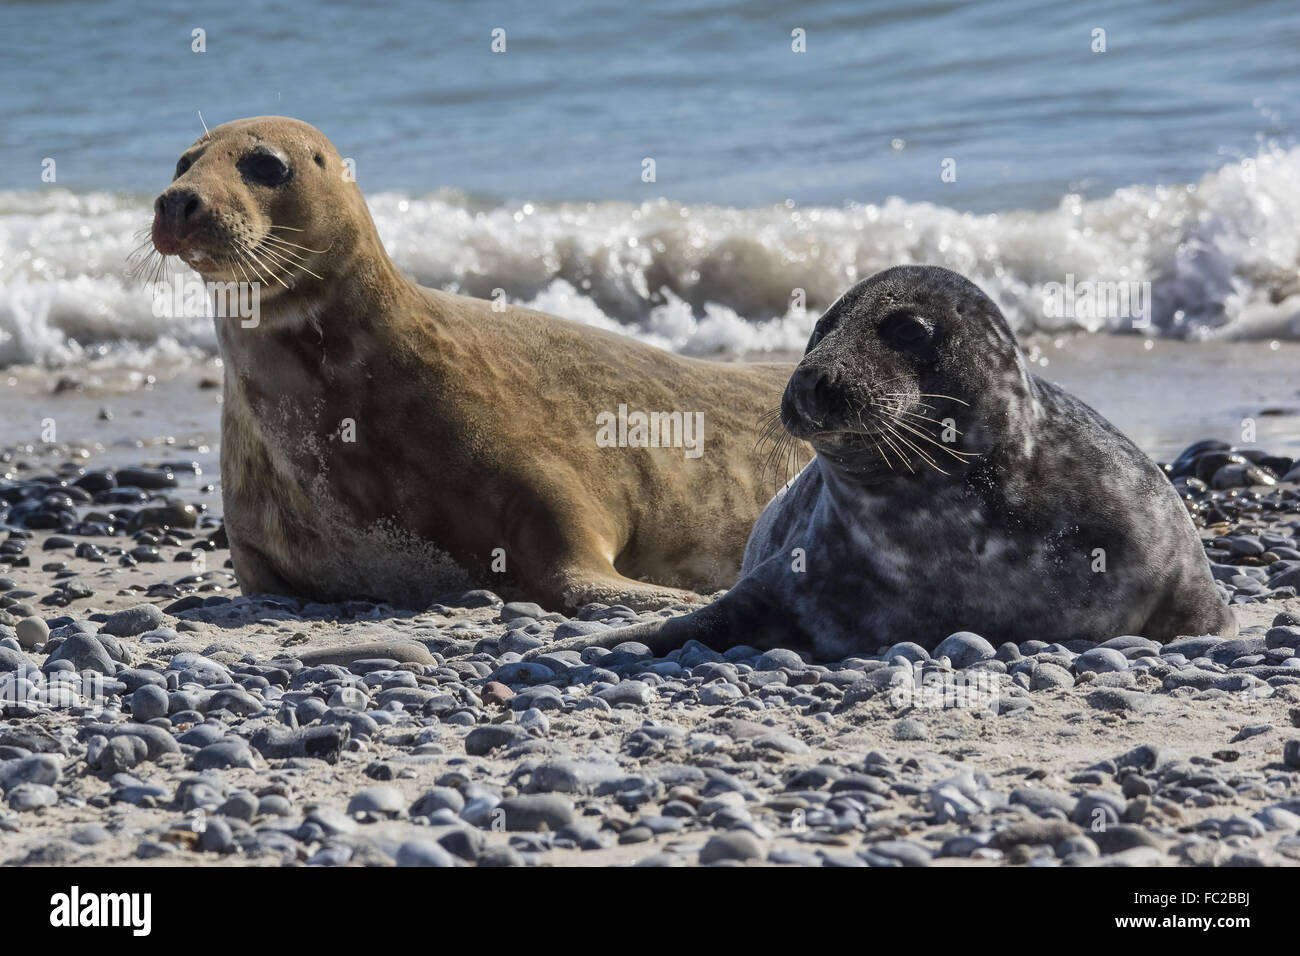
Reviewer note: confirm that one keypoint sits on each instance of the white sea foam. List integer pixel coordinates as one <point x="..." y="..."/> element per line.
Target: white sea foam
<point x="1221" y="256"/>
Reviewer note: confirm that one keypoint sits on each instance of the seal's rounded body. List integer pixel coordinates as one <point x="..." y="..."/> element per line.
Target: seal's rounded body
<point x="384" y="440"/>
<point x="1078" y="537"/>
<point x="952" y="490"/>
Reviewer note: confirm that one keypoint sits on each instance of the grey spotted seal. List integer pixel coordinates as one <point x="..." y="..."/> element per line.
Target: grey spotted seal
<point x="951" y="490"/>
<point x="385" y="440"/>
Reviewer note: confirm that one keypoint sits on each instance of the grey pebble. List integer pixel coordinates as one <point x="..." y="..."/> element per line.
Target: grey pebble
<point x="964" y="648"/>
<point x="133" y="621"/>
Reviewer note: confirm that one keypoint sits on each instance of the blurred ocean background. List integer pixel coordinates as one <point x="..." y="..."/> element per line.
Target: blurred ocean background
<point x="1170" y="158"/>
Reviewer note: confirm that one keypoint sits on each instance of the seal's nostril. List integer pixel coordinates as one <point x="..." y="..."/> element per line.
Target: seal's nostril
<point x="177" y="206"/>
<point x="821" y="391"/>
<point x="811" y="392"/>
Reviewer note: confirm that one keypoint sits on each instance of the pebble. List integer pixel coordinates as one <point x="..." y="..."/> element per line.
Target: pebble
<point x="381" y="801"/>
<point x="223" y="755"/>
<point x="483" y="740"/>
<point x="423" y="853"/>
<point x="84" y="653"/>
<point x="1100" y="660"/>
<point x="631" y="692"/>
<point x="538" y="811"/>
<point x="735" y="845"/>
<point x="31" y="796"/>
<point x="133" y="620"/>
<point x="964" y="648"/>
<point x="149" y="701"/>
<point x="32" y="632"/>
<point x="698" y="756"/>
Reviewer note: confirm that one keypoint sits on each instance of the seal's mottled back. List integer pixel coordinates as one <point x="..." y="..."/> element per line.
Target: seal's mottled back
<point x="952" y="490"/>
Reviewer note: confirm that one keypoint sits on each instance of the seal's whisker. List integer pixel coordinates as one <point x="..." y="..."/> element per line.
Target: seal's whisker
<point x="950" y="398"/>
<point x="901" y="456"/>
<point x="887" y="381"/>
<point x="771" y="445"/>
<point x="239" y="248"/>
<point x="921" y="454"/>
<point x="269" y="268"/>
<point x="875" y="444"/>
<point x="266" y="244"/>
<point x="280" y="257"/>
<point x="136" y="262"/>
<point x="243" y="271"/>
<point x="149" y="267"/>
<point x="290" y="228"/>
<point x="255" y="265"/>
<point x="874" y="441"/>
<point x="881" y="453"/>
<point x="288" y="257"/>
<point x="896" y="413"/>
<point x="290" y="260"/>
<point x="924" y="418"/>
<point x="285" y="242"/>
<point x="782" y="455"/>
<point x="959" y="455"/>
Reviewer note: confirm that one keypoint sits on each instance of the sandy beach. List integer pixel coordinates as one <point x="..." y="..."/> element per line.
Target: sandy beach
<point x="224" y="730"/>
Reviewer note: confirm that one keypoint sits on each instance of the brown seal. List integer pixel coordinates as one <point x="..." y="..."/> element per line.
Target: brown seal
<point x="384" y="440"/>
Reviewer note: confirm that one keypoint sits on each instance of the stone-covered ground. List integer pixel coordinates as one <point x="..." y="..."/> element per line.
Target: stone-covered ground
<point x="152" y="714"/>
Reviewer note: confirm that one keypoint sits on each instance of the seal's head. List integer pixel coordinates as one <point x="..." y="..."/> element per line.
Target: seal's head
<point x="261" y="200"/>
<point x="911" y="371"/>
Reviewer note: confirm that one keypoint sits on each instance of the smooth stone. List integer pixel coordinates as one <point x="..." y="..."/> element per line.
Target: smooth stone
<point x="439" y="798"/>
<point x="32" y="632"/>
<point x="223" y="755"/>
<point x="84" y="653"/>
<point x="382" y="800"/>
<point x="241" y="805"/>
<point x="149" y="701"/>
<point x="423" y="853"/>
<point x="734" y="845"/>
<point x="32" y="796"/>
<point x="778" y="658"/>
<point x="627" y="692"/>
<point x="1040" y="800"/>
<point x="964" y="648"/>
<point x="521" y="609"/>
<point x="537" y="811"/>
<point x="133" y="621"/>
<point x="217" y="836"/>
<point x="1046" y="676"/>
<point x="403" y="652"/>
<point x="1100" y="660"/>
<point x="483" y="740"/>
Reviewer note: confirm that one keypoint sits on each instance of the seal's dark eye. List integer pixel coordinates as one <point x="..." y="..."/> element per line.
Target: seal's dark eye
<point x="905" y="331"/>
<point x="182" y="164"/>
<point x="264" y="168"/>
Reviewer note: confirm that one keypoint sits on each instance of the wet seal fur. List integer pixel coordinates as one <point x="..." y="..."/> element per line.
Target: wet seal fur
<point x="1036" y="519"/>
<point x="473" y="429"/>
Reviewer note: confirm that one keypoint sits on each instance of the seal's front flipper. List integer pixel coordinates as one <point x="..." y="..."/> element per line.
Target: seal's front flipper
<point x="660" y="636"/>
<point x="744" y="615"/>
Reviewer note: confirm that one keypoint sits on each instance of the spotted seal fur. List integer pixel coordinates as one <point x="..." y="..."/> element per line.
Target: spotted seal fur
<point x="951" y="490"/>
